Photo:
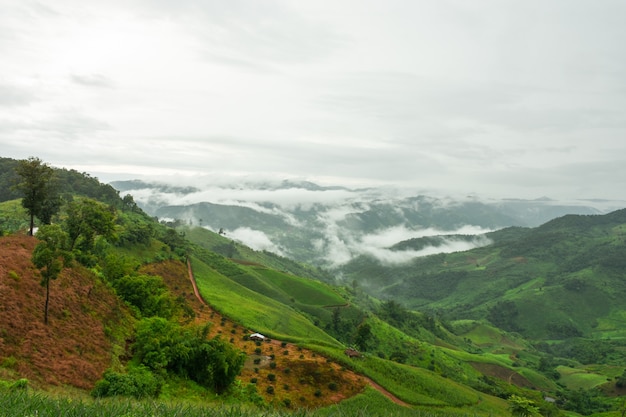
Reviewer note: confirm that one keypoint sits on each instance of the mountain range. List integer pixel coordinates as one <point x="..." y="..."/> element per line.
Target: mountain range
<point x="330" y="226"/>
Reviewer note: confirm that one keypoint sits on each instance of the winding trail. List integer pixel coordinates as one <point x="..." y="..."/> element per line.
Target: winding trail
<point x="193" y="282"/>
<point x="387" y="393"/>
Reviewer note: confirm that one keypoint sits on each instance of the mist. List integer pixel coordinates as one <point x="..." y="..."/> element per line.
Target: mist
<point x="331" y="226"/>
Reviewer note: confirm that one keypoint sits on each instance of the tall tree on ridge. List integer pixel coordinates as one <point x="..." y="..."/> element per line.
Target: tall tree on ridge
<point x="40" y="199"/>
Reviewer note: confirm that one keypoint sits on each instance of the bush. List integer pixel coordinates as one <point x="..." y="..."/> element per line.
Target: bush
<point x="139" y="383"/>
<point x="165" y="346"/>
<point x="147" y="293"/>
<point x="20" y="384"/>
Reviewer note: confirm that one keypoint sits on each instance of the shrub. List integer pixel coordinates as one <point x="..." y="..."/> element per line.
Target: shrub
<point x="270" y="390"/>
<point x="318" y="393"/>
<point x="139" y="383"/>
<point x="271" y="377"/>
<point x="20" y="384"/>
<point x="147" y="293"/>
<point x="165" y="346"/>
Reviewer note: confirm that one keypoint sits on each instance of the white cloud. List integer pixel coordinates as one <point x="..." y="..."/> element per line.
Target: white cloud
<point x="519" y="99"/>
<point x="255" y="239"/>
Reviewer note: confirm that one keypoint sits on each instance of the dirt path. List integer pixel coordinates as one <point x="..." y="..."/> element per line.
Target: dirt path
<point x="387" y="393"/>
<point x="277" y="342"/>
<point x="193" y="283"/>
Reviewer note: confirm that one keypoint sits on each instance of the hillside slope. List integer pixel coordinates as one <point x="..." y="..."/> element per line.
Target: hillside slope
<point x="87" y="321"/>
<point x="562" y="279"/>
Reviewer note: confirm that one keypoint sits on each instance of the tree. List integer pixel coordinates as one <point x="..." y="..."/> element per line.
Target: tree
<point x="49" y="257"/>
<point x="40" y="199"/>
<point x="87" y="219"/>
<point x="522" y="407"/>
<point x="363" y="336"/>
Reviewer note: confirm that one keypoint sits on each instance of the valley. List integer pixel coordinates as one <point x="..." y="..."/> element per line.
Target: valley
<point x="530" y="312"/>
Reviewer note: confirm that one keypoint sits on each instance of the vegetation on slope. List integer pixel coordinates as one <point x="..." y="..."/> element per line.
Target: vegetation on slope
<point x="133" y="295"/>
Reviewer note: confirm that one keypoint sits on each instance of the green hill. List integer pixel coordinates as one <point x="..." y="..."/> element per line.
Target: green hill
<point x="454" y="334"/>
<point x="560" y="280"/>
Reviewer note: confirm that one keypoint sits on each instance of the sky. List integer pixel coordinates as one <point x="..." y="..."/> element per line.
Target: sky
<point x="501" y="98"/>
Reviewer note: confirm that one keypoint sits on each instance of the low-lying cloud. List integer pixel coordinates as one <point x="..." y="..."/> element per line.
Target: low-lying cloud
<point x="255" y="239"/>
<point x="339" y="251"/>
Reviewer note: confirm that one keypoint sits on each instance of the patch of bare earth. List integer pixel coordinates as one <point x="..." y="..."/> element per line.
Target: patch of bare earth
<point x="283" y="373"/>
<point x="502" y="373"/>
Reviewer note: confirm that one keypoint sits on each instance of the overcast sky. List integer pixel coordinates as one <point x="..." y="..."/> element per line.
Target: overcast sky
<point x="495" y="97"/>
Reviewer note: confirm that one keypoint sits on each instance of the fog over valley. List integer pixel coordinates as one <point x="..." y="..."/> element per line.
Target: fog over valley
<point x="332" y="225"/>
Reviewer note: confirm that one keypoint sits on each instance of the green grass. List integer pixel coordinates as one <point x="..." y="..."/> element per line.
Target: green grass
<point x="254" y="310"/>
<point x="575" y="378"/>
<point x="372" y="403"/>
<point x="305" y="291"/>
<point x="369" y="404"/>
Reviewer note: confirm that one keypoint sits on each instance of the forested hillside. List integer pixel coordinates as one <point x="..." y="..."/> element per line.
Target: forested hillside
<point x="101" y="303"/>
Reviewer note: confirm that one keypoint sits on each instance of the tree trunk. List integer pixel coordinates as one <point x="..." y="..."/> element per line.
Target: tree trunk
<point x="32" y="224"/>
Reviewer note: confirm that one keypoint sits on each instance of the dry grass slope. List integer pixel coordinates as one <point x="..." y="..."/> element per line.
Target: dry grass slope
<point x="74" y="348"/>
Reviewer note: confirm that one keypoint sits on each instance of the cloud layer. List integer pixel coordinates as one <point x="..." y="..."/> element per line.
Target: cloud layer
<point x="506" y="98"/>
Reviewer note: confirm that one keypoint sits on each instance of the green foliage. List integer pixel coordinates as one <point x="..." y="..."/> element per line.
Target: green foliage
<point x="40" y="198"/>
<point x="585" y="402"/>
<point x="49" y="257"/>
<point x="363" y="336"/>
<point x="86" y="219"/>
<point x="522" y="407"/>
<point x="164" y="346"/>
<point x="147" y="293"/>
<point x="13" y="217"/>
<point x="138" y="382"/>
<point x="135" y="228"/>
<point x="588" y="351"/>
<point x="175" y="241"/>
<point x="504" y="315"/>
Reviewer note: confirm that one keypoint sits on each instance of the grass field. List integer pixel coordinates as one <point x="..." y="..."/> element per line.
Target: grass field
<point x="369" y="404"/>
<point x="254" y="310"/>
<point x="575" y="378"/>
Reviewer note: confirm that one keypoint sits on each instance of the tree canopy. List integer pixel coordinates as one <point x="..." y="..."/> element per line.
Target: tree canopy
<point x="40" y="198"/>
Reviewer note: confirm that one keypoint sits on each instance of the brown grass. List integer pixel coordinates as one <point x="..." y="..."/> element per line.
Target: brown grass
<point x="73" y="348"/>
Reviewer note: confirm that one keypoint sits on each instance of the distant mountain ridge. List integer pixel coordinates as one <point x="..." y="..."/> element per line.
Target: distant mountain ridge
<point x="559" y="280"/>
<point x="330" y="225"/>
